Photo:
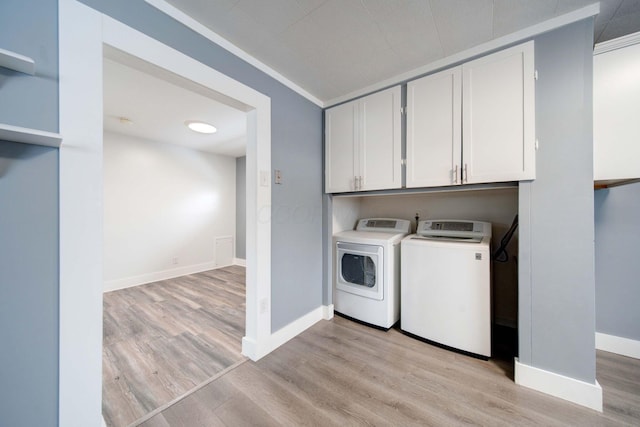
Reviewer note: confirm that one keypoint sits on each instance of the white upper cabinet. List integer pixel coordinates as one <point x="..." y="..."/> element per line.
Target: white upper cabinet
<point x="434" y="126"/>
<point x="616" y="122"/>
<point x="380" y="152"/>
<point x="474" y="123"/>
<point x="341" y="135"/>
<point x="363" y="144"/>
<point x="498" y="116"/>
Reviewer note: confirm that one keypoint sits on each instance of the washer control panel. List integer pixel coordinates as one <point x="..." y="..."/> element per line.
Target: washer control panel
<point x="457" y="229"/>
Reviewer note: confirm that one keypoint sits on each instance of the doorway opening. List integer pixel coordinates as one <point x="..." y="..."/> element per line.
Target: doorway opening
<point x="174" y="301"/>
<point x="84" y="33"/>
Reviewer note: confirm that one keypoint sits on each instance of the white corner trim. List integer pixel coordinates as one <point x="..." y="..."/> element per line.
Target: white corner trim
<point x="250" y="348"/>
<point x="619" y="345"/>
<point x="256" y="351"/>
<point x="526" y="33"/>
<point x="619" y="43"/>
<point x="571" y="389"/>
<point x="155" y="276"/>
<point x="104" y="423"/>
<point x="327" y="312"/>
<point x="204" y="31"/>
<point x="239" y="261"/>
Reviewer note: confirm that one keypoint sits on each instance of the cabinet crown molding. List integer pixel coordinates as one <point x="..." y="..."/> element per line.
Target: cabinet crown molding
<point x="618" y="43"/>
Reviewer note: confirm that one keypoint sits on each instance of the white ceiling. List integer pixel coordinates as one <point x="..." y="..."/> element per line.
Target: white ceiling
<point x="158" y="109"/>
<point x="329" y="48"/>
<point x="332" y="48"/>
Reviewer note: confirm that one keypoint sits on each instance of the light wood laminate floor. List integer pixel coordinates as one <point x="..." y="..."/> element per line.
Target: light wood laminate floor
<point x="163" y="339"/>
<point x="341" y="373"/>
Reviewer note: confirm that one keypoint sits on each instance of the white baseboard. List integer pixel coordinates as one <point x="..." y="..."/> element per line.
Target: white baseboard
<point x="239" y="261"/>
<point x="327" y="312"/>
<point x="128" y="282"/>
<point x="619" y="345"/>
<point x="576" y="391"/>
<point x="104" y="423"/>
<point x="257" y="350"/>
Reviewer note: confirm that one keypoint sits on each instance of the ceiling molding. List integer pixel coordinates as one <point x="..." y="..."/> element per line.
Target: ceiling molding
<point x="619" y="43"/>
<point x="526" y="33"/>
<point x="521" y="35"/>
<point x="204" y="31"/>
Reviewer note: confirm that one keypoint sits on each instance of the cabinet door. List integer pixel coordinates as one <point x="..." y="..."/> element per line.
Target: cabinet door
<point x="434" y="121"/>
<point x="616" y="128"/>
<point x="498" y="139"/>
<point x="341" y="136"/>
<point x="380" y="150"/>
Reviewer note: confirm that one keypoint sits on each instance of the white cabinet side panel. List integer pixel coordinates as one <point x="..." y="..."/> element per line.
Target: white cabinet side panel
<point x="616" y="102"/>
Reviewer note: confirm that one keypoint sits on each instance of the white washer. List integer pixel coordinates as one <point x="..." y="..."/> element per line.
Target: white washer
<point x="446" y="284"/>
<point x="367" y="271"/>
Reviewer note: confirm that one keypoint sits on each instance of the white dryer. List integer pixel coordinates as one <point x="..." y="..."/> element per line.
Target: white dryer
<point x="446" y="284"/>
<point x="367" y="271"/>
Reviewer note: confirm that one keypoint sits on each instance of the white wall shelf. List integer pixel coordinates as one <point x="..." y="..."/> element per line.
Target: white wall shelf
<point x="609" y="183"/>
<point x="29" y="136"/>
<point x="17" y="62"/>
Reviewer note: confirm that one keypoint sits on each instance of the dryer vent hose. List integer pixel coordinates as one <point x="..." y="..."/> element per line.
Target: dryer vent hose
<point x="501" y="254"/>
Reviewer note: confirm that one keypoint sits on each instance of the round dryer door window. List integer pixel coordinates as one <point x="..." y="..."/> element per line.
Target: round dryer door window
<point x="359" y="269"/>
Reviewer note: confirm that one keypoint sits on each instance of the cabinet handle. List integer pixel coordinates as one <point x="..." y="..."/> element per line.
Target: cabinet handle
<point x="466" y="175"/>
<point x="455" y="175"/>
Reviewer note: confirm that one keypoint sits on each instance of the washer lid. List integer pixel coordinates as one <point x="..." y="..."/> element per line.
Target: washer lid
<point x="454" y="229"/>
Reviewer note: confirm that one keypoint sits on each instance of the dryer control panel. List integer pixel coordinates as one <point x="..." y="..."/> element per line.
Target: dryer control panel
<point x="385" y="225"/>
<point x="454" y="229"/>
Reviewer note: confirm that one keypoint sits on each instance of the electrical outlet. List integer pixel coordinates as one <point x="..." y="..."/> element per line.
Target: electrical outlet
<point x="174" y="260"/>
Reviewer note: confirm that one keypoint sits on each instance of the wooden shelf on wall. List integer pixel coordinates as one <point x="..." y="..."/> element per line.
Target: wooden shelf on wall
<point x="609" y="183"/>
<point x="15" y="61"/>
<point x="29" y="136"/>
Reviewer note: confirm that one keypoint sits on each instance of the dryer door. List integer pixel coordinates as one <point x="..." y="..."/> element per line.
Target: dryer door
<point x="359" y="269"/>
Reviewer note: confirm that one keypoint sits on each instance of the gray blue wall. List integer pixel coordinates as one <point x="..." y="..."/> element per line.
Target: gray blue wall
<point x="29" y="221"/>
<point x="241" y="207"/>
<point x="30" y="28"/>
<point x="296" y="149"/>
<point x="28" y="285"/>
<point x="556" y="280"/>
<point x="617" y="211"/>
<point x="556" y="334"/>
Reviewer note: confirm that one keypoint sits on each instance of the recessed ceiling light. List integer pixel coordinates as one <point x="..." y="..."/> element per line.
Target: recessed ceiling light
<point x="200" y="127"/>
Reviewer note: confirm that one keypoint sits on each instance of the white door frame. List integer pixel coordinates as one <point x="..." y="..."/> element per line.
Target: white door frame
<point x="82" y="34"/>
